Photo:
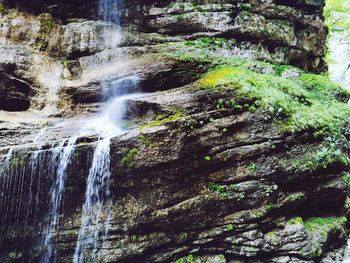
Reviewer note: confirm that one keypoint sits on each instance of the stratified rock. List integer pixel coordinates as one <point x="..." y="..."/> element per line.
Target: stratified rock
<point x="13" y="93"/>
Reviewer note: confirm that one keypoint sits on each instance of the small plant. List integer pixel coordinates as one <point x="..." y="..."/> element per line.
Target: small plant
<point x="129" y="157"/>
<point x="251" y="167"/>
<point x="234" y="104"/>
<point x="295" y="220"/>
<point x="180" y="17"/>
<point x="207" y="158"/>
<point x="271" y="234"/>
<point x="65" y="62"/>
<point x="190" y="258"/>
<point x="346" y="178"/>
<point x="229" y="227"/>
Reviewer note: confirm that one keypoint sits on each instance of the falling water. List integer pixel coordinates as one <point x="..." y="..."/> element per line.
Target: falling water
<point x="96" y="209"/>
<point x="6" y="164"/>
<point x="45" y="167"/>
<point x="62" y="156"/>
<point x="110" y="11"/>
<point x="96" y="204"/>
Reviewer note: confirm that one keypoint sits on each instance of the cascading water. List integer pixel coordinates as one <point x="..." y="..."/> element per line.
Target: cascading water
<point x="45" y="171"/>
<point x="61" y="155"/>
<point x="96" y="208"/>
<point x="96" y="204"/>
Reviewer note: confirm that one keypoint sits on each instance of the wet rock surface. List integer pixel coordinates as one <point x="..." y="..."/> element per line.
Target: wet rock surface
<point x="198" y="176"/>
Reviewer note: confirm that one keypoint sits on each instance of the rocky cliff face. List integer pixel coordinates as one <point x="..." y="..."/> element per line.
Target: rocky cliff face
<point x="228" y="156"/>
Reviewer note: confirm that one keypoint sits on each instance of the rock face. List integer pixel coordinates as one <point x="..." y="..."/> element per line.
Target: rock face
<point x="13" y="93"/>
<point x="225" y="158"/>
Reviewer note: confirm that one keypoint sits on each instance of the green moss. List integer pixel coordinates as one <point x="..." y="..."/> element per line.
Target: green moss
<point x="324" y="224"/>
<point x="162" y="119"/>
<point x="18" y="160"/>
<point x="229" y="227"/>
<point x="307" y="103"/>
<point x="129" y="157"/>
<point x="65" y="62"/>
<point x="251" y="167"/>
<point x="145" y="141"/>
<point x="207" y="158"/>
<point x="326" y="156"/>
<point x="220" y="189"/>
<point x="209" y="43"/>
<point x="3" y="9"/>
<point x="271" y="234"/>
<point x="46" y="25"/>
<point x="133" y="238"/>
<point x="180" y="17"/>
<point x="346" y="178"/>
<point x="226" y="191"/>
<point x="188" y="258"/>
<point x="295" y="220"/>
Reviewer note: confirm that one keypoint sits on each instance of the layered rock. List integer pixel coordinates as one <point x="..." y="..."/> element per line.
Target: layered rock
<point x="246" y="162"/>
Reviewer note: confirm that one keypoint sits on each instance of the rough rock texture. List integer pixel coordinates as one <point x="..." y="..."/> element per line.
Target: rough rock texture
<point x="279" y="31"/>
<point x="203" y="174"/>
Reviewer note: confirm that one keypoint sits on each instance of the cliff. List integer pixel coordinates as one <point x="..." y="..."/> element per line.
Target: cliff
<point x="236" y="150"/>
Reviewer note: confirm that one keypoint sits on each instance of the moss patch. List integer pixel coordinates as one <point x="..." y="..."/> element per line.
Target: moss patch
<point x="3" y="9"/>
<point x="47" y="24"/>
<point x="308" y="102"/>
<point x="324" y="224"/>
<point x="129" y="157"/>
<point x="162" y="119"/>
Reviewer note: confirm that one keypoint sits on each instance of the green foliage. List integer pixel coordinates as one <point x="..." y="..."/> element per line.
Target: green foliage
<point x="18" y="160"/>
<point x="188" y="258"/>
<point x="65" y="62"/>
<point x="310" y="102"/>
<point x="324" y="224"/>
<point x="209" y="43"/>
<point x="271" y="234"/>
<point x="129" y="157"/>
<point x="346" y="178"/>
<point x="214" y="187"/>
<point x="337" y="16"/>
<point x="180" y="17"/>
<point x="207" y="158"/>
<point x="229" y="227"/>
<point x="327" y="155"/>
<point x="133" y="238"/>
<point x="251" y="167"/>
<point x="3" y="9"/>
<point x="46" y="25"/>
<point x="226" y="191"/>
<point x="295" y="220"/>
<point x="162" y="119"/>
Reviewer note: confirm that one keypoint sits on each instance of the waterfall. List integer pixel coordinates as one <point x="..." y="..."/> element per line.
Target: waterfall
<point x="61" y="155"/>
<point x="96" y="208"/>
<point x="110" y="11"/>
<point x="96" y="204"/>
<point x="40" y="177"/>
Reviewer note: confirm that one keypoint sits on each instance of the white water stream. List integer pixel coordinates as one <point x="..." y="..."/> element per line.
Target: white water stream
<point x="106" y="125"/>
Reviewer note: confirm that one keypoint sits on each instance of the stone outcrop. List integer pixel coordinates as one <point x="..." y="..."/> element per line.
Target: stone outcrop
<point x="225" y="158"/>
